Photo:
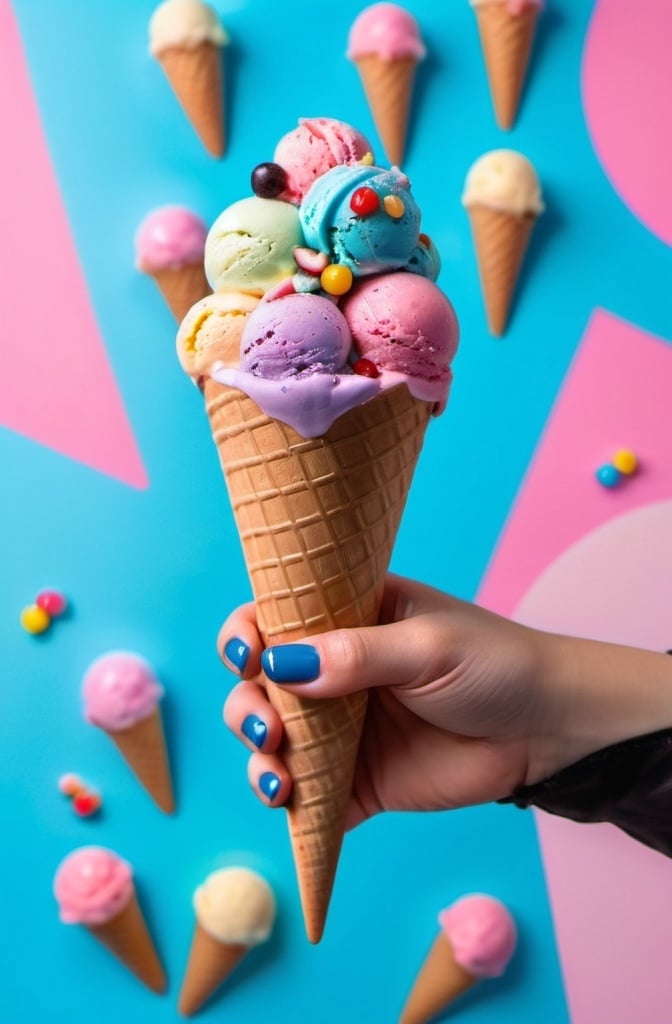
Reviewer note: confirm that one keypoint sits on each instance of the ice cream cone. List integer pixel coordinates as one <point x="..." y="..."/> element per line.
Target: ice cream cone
<point x="440" y="981"/>
<point x="210" y="962"/>
<point x="388" y="85"/>
<point x="196" y="75"/>
<point x="506" y="40"/>
<point x="500" y="240"/>
<point x="181" y="287"/>
<point x="317" y="520"/>
<point x="143" y="746"/>
<point x="127" y="937"/>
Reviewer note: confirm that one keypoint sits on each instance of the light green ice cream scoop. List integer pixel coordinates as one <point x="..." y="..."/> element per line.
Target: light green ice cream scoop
<point x="251" y="244"/>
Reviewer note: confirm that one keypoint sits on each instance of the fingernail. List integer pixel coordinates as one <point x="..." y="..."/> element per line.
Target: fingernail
<point x="237" y="652"/>
<point x="255" y="730"/>
<point x="269" y="784"/>
<point x="291" y="663"/>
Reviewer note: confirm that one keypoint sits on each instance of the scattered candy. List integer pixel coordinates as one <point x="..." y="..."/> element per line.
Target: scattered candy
<point x="624" y="463"/>
<point x="49" y="604"/>
<point x="86" y="803"/>
<point x="34" y="619"/>
<point x="336" y="279"/>
<point x="268" y="180"/>
<point x="312" y="261"/>
<point x="53" y="603"/>
<point x="70" y="785"/>
<point x="364" y="201"/>
<point x="394" y="206"/>
<point x="365" y="368"/>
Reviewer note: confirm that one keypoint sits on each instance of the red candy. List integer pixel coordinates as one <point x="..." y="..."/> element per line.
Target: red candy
<point x="85" y="804"/>
<point x="51" y="602"/>
<point x="364" y="201"/>
<point x="365" y="368"/>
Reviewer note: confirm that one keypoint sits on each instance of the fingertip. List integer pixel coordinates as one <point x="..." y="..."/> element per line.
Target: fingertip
<point x="269" y="779"/>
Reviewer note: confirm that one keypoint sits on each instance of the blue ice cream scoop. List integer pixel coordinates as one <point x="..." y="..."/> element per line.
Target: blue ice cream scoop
<point x="364" y="218"/>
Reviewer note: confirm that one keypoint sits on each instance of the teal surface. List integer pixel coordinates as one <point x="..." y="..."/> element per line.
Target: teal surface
<point x="156" y="571"/>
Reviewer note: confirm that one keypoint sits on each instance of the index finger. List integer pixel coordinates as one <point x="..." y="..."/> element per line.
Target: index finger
<point x="239" y="642"/>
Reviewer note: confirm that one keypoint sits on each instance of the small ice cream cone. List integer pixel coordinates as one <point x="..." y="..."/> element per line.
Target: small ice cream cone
<point x="440" y="981"/>
<point x="121" y="696"/>
<point x="181" y="287"/>
<point x="94" y="888"/>
<point x="127" y="937"/>
<point x="235" y="910"/>
<point x="506" y="40"/>
<point x="143" y="747"/>
<point x="502" y="196"/>
<point x="477" y="939"/>
<point x="196" y="77"/>
<point x="385" y="45"/>
<point x="501" y="241"/>
<point x="388" y="85"/>
<point x="186" y="37"/>
<point x="170" y="248"/>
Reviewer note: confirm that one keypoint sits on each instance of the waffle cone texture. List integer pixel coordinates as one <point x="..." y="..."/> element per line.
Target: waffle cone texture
<point x="388" y="85"/>
<point x="500" y="240"/>
<point x="317" y="520"/>
<point x="196" y="76"/>
<point x="506" y="40"/>
<point x="127" y="937"/>
<point x="181" y="287"/>
<point x="440" y="981"/>
<point x="143" y="747"/>
<point x="210" y="963"/>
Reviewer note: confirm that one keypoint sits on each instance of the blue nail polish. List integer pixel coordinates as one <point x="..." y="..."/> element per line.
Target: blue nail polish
<point x="255" y="730"/>
<point x="237" y="652"/>
<point x="269" y="784"/>
<point x="291" y="663"/>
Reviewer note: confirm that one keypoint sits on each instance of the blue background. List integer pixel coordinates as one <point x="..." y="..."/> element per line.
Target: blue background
<point x="156" y="571"/>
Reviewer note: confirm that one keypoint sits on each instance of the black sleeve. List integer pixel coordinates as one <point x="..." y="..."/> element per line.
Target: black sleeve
<point x="628" y="784"/>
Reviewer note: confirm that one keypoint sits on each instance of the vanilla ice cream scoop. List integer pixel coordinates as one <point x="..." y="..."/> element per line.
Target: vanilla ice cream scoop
<point x="503" y="180"/>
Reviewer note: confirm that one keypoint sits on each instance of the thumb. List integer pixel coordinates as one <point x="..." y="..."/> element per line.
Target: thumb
<point x="347" y="660"/>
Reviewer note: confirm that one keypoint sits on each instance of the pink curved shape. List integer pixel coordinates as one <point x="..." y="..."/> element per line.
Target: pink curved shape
<point x="613" y="917"/>
<point x="57" y="386"/>
<point x="628" y="104"/>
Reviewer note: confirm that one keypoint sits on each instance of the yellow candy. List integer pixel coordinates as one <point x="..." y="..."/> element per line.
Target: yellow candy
<point x="34" y="619"/>
<point x="394" y="206"/>
<point x="336" y="279"/>
<point x="625" y="461"/>
<point x="367" y="159"/>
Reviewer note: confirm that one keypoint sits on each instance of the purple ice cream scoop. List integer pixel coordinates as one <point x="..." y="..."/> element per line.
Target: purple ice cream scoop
<point x="295" y="335"/>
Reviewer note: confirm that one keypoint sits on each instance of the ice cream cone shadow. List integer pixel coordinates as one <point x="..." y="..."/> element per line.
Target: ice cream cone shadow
<point x="171" y="732"/>
<point x="549" y="23"/>
<point x="426" y="74"/>
<point x="161" y="986"/>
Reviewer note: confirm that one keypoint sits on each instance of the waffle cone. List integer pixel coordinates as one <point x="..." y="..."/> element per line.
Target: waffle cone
<point x="440" y="980"/>
<point x="317" y="519"/>
<point x="143" y="747"/>
<point x="500" y="240"/>
<point x="388" y="85"/>
<point x="182" y="287"/>
<point x="196" y="75"/>
<point x="210" y="962"/>
<point x="127" y="937"/>
<point x="506" y="40"/>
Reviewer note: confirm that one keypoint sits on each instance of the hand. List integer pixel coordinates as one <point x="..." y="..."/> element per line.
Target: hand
<point x="464" y="705"/>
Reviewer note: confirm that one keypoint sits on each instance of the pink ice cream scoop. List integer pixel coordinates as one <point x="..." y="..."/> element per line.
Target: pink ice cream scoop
<point x="296" y="335"/>
<point x="170" y="238"/>
<point x="119" y="690"/>
<point x="403" y="322"/>
<point x="482" y="934"/>
<point x="92" y="885"/>
<point x="312" y="149"/>
<point x="387" y="31"/>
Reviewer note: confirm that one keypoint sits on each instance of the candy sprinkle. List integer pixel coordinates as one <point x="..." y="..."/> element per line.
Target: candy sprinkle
<point x="35" y="619"/>
<point x="625" y="461"/>
<point x="51" y="602"/>
<point x="336" y="279"/>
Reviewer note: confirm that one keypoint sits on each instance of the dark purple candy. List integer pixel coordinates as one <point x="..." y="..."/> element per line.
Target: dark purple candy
<point x="268" y="180"/>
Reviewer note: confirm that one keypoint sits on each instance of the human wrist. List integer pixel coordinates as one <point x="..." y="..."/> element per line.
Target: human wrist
<point x="595" y="694"/>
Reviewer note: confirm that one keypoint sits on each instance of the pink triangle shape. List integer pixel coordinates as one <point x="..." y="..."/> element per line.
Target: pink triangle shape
<point x="56" y="385"/>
